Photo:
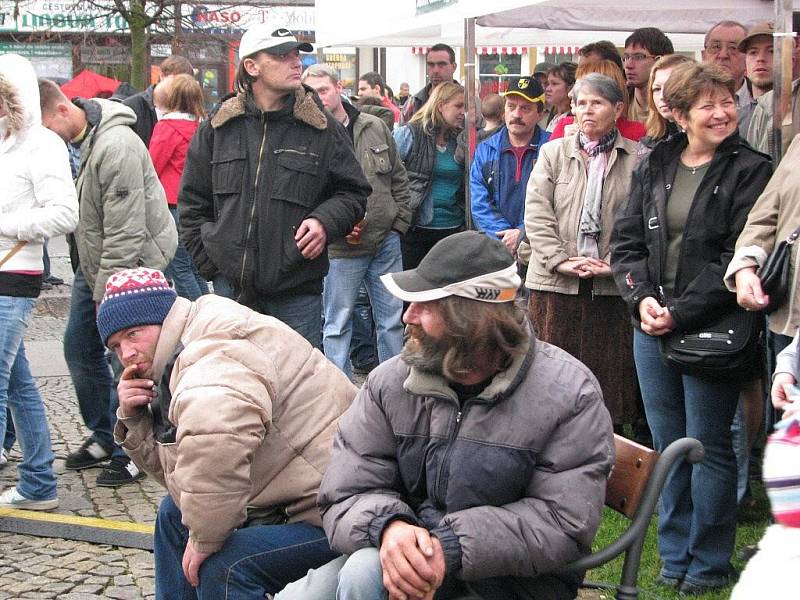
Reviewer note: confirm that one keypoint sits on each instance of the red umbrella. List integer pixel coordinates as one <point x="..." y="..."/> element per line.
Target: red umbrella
<point x="88" y="84"/>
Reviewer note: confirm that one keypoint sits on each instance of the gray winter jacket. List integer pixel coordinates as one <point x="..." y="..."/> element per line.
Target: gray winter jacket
<point x="124" y="220"/>
<point x="512" y="482"/>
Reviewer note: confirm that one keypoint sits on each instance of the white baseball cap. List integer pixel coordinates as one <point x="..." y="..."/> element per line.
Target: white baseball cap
<point x="272" y="41"/>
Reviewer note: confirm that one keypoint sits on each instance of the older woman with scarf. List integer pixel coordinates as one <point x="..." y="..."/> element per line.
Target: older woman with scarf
<point x="576" y="188"/>
<point x="689" y="201"/>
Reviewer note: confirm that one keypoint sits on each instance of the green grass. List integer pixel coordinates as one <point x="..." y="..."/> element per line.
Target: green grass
<point x="751" y="525"/>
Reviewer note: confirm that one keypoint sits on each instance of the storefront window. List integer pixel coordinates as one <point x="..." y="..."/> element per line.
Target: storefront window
<point x="496" y="70"/>
<point x="344" y="61"/>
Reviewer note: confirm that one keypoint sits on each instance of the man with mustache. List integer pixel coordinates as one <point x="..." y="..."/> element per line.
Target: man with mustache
<point x="503" y="163"/>
<point x="474" y="463"/>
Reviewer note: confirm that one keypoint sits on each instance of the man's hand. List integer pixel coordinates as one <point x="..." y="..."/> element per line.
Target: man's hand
<point x="134" y="393"/>
<point x="749" y="293"/>
<point x="311" y="238"/>
<point x="656" y="319"/>
<point x="192" y="559"/>
<point x="407" y="554"/>
<point x="510" y="238"/>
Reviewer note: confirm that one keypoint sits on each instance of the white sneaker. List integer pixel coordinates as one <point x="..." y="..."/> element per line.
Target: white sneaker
<point x="3" y="458"/>
<point x="11" y="498"/>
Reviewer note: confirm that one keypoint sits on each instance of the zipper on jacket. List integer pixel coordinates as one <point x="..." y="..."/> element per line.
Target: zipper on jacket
<point x="252" y="208"/>
<point x="292" y="151"/>
<point x="448" y="451"/>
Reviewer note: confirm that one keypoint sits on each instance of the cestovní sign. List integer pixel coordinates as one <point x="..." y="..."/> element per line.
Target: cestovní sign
<point x="93" y="16"/>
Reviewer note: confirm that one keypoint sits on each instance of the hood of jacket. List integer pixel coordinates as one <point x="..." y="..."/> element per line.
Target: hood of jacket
<point x="20" y="91"/>
<point x="305" y="106"/>
<point x="184" y="128"/>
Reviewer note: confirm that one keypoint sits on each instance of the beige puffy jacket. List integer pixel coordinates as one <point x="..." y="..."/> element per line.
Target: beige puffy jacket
<point x="255" y="408"/>
<point x="553" y="207"/>
<point x="774" y="216"/>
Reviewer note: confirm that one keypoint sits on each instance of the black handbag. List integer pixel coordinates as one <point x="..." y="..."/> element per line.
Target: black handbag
<point x="774" y="273"/>
<point x="729" y="347"/>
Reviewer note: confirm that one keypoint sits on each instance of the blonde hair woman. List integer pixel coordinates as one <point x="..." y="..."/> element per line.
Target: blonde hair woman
<point x="427" y="147"/>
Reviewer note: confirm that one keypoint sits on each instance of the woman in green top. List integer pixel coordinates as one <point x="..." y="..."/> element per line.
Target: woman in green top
<point x="427" y="147"/>
<point x="670" y="247"/>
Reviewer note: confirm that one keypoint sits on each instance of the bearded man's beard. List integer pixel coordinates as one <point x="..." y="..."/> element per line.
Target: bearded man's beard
<point x="424" y="352"/>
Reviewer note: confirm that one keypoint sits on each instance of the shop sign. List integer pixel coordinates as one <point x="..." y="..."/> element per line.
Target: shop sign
<point x="227" y="19"/>
<point x="105" y="55"/>
<point x="67" y="16"/>
<point x="426" y="6"/>
<point x="36" y="50"/>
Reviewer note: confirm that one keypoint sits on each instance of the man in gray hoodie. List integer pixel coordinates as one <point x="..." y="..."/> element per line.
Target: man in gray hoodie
<point x="124" y="222"/>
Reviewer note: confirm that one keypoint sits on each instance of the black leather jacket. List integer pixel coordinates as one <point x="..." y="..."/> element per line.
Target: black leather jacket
<point x="252" y="177"/>
<point x="735" y="179"/>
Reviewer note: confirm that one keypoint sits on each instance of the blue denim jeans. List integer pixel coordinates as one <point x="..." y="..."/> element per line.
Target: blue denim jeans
<point x="89" y="368"/>
<point x="363" y="345"/>
<point x="182" y="272"/>
<point x="341" y="290"/>
<point x="253" y="561"/>
<point x="360" y="577"/>
<point x="18" y="392"/>
<point x="697" y="520"/>
<point x="301" y="312"/>
<point x="11" y="433"/>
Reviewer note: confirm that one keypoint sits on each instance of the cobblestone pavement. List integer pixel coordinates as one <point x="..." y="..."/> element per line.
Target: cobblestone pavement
<point x="35" y="567"/>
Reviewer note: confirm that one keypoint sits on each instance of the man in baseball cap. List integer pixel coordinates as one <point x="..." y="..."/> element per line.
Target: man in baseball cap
<point x="476" y="460"/>
<point x="270" y="180"/>
<point x="233" y="413"/>
<point x="504" y="161"/>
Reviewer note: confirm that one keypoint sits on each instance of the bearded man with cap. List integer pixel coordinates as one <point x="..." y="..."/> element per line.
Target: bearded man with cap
<point x="503" y="164"/>
<point x="234" y="413"/>
<point x="270" y="180"/>
<point x="474" y="463"/>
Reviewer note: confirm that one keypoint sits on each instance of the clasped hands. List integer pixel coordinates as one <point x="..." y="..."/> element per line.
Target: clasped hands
<point x="412" y="561"/>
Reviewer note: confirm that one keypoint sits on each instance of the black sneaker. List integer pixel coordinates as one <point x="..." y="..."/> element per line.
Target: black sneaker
<point x="90" y="454"/>
<point x="120" y="471"/>
<point x="53" y="280"/>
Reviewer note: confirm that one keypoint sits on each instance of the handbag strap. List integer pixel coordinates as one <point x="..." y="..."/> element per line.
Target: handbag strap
<point x="17" y="247"/>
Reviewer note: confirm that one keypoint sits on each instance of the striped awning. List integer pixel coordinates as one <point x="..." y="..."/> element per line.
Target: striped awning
<point x="561" y="49"/>
<point x="482" y="50"/>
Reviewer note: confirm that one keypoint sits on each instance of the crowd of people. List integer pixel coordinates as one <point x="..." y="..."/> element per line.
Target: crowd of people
<point x="621" y="209"/>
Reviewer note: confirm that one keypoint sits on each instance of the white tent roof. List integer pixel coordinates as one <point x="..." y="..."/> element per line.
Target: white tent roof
<point x="527" y="22"/>
<point x="673" y="16"/>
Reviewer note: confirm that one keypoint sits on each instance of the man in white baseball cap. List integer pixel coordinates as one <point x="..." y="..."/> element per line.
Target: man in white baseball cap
<point x="270" y="180"/>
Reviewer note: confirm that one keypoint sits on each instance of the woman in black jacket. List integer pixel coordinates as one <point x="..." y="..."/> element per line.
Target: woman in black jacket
<point x="670" y="247"/>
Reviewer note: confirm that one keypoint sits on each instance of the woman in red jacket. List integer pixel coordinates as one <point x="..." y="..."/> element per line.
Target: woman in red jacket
<point x="179" y="101"/>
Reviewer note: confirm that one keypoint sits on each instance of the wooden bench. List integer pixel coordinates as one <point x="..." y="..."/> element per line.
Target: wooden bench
<point x="633" y="490"/>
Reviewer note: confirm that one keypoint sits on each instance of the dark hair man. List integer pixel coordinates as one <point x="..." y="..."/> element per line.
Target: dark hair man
<point x="759" y="132"/>
<point x="233" y="413"/>
<point x="475" y="463"/>
<point x="124" y="221"/>
<point x="371" y="85"/>
<point x="373" y="248"/>
<point x="757" y="48"/>
<point x="270" y="180"/>
<point x="503" y="164"/>
<point x="142" y="103"/>
<point x="642" y="48"/>
<point x="602" y="50"/>
<point x="440" y="63"/>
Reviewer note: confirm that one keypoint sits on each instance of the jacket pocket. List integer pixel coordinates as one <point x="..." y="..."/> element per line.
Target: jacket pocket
<point x="295" y="176"/>
<point x="378" y="160"/>
<point x="227" y="176"/>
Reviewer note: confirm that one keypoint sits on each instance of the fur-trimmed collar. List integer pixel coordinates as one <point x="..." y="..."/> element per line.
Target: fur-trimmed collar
<point x="305" y="109"/>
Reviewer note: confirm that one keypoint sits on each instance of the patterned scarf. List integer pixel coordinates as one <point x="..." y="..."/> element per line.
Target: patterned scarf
<point x="589" y="229"/>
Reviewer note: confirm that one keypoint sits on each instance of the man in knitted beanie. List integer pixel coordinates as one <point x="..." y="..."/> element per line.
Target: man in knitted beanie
<point x="234" y="413"/>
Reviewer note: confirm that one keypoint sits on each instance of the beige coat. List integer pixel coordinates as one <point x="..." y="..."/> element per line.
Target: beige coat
<point x="774" y="216"/>
<point x="553" y="207"/>
<point x="255" y="408"/>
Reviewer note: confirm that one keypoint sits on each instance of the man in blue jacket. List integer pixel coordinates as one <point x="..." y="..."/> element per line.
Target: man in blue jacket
<point x="503" y="163"/>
